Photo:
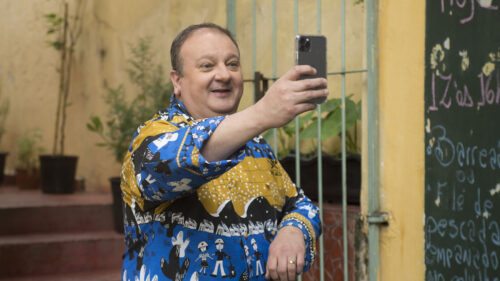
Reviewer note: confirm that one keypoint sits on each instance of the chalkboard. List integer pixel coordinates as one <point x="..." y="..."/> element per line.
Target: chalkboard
<point x="462" y="140"/>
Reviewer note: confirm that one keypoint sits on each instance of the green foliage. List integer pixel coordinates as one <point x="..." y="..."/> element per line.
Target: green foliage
<point x="28" y="150"/>
<point x="55" y="24"/>
<point x="331" y="125"/>
<point x="124" y="116"/>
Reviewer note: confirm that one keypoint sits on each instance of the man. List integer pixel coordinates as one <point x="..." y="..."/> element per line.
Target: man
<point x="199" y="170"/>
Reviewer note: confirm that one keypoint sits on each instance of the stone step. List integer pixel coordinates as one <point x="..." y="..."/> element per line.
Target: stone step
<point x="30" y="211"/>
<point x="60" y="253"/>
<point x="97" y="275"/>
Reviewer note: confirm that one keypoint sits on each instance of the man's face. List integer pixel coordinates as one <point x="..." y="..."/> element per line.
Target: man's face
<point x="211" y="83"/>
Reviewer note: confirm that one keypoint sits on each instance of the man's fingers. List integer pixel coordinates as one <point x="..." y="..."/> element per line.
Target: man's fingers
<point x="298" y="70"/>
<point x="300" y="263"/>
<point x="304" y="97"/>
<point x="272" y="268"/>
<point x="310" y="83"/>
<point x="292" y="269"/>
<point x="303" y="107"/>
<point x="283" y="268"/>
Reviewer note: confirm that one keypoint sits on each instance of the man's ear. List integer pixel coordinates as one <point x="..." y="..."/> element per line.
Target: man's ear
<point x="176" y="79"/>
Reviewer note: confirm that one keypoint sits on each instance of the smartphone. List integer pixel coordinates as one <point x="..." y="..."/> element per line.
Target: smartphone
<point x="311" y="50"/>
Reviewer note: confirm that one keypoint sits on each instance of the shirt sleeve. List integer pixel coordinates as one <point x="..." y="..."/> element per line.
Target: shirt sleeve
<point x="301" y="212"/>
<point x="167" y="159"/>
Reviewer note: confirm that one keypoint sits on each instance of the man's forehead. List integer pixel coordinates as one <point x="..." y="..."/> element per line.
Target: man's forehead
<point x="202" y="32"/>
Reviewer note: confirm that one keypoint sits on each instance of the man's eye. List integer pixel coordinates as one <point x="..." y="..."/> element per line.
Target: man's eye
<point x="234" y="64"/>
<point x="206" y="66"/>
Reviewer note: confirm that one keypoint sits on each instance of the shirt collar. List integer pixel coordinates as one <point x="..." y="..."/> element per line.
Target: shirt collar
<point x="178" y="108"/>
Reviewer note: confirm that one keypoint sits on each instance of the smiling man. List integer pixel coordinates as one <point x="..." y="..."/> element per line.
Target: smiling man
<point x="199" y="172"/>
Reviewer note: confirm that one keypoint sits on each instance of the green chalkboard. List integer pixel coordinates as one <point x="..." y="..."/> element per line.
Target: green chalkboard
<point x="462" y="140"/>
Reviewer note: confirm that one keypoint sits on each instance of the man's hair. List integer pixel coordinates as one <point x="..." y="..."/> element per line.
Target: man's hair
<point x="179" y="40"/>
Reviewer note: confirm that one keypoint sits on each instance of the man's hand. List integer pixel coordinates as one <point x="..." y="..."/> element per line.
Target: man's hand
<point x="286" y="255"/>
<point x="288" y="97"/>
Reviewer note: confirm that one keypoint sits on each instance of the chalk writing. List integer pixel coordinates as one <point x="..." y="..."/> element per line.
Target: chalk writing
<point x="462" y="140"/>
<point x="466" y="8"/>
<point x="447" y="151"/>
<point x="467" y="240"/>
<point x="446" y="91"/>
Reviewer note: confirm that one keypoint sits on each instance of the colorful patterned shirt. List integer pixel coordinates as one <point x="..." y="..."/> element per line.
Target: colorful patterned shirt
<point x="180" y="207"/>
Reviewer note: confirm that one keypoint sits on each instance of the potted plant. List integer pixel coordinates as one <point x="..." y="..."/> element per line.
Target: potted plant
<point x="4" y="110"/>
<point x="331" y="126"/>
<point x="27" y="165"/>
<point x="125" y="115"/>
<point x="58" y="169"/>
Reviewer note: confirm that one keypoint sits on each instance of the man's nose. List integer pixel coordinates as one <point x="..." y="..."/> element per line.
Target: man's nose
<point x="222" y="73"/>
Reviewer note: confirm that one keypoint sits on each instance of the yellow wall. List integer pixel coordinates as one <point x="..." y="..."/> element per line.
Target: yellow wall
<point x="401" y="145"/>
<point x="27" y="64"/>
<point x="29" y="78"/>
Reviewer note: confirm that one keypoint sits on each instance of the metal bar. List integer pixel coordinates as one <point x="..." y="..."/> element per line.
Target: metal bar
<point x="297" y="129"/>
<point x="344" y="182"/>
<point x="348" y="71"/>
<point x="320" y="170"/>
<point x="372" y="135"/>
<point x="274" y="78"/>
<point x="231" y="16"/>
<point x="275" y="131"/>
<point x="254" y="39"/>
<point x="378" y="218"/>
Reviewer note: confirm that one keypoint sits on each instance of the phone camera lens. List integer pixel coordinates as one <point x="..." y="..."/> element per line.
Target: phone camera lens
<point x="304" y="45"/>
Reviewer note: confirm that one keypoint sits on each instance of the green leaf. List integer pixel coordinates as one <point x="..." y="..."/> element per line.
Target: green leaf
<point x="90" y="127"/>
<point x="311" y="131"/>
<point x="330" y="105"/>
<point x="308" y="117"/>
<point x="50" y="16"/>
<point x="95" y="124"/>
<point x="332" y="125"/>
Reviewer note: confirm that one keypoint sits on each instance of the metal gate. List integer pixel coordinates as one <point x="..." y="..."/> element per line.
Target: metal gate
<point x="260" y="82"/>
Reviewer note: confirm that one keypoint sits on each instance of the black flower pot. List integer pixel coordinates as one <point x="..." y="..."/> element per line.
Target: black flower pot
<point x="332" y="177"/>
<point x="57" y="173"/>
<point x="116" y="191"/>
<point x="3" y="156"/>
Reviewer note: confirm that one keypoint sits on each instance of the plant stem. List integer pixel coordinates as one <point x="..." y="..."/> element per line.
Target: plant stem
<point x="62" y="80"/>
<point x="65" y="99"/>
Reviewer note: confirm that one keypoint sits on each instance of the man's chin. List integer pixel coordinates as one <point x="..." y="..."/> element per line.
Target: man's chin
<point x="226" y="110"/>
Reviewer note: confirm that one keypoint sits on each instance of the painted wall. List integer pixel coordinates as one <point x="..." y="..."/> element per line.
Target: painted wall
<point x="29" y="77"/>
<point x="28" y="65"/>
<point x="401" y="132"/>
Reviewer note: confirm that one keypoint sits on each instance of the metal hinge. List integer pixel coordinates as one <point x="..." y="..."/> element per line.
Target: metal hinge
<point x="378" y="218"/>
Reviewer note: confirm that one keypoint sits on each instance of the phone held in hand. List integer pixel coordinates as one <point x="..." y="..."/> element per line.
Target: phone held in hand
<point x="311" y="50"/>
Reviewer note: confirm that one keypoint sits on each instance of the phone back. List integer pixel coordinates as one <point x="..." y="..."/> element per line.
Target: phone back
<point x="311" y="50"/>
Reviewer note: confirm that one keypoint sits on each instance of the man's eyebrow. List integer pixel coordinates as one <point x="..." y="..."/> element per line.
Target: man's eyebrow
<point x="232" y="56"/>
<point x="210" y="57"/>
<point x="206" y="57"/>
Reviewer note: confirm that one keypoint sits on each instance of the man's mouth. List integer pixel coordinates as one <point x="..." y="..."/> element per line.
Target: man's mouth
<point x="221" y="90"/>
